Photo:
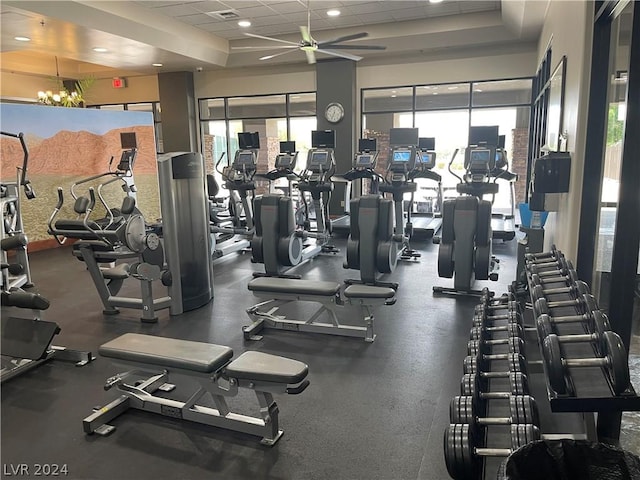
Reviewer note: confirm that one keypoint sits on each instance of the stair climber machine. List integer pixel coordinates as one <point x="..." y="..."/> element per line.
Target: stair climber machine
<point x="236" y="234"/>
<point x="17" y="273"/>
<point x="278" y="242"/>
<point x="398" y="181"/>
<point x="465" y="242"/>
<point x="503" y="225"/>
<point x="364" y="163"/>
<point x="427" y="224"/>
<point x="122" y="238"/>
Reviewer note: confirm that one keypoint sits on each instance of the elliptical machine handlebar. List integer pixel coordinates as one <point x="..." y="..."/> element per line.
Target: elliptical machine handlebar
<point x="23" y="180"/>
<point x="455" y="153"/>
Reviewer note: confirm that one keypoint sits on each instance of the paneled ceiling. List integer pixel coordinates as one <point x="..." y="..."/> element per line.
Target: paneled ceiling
<point x="191" y="35"/>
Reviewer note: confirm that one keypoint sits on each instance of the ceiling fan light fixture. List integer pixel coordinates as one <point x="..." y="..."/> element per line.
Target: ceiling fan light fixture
<point x="333" y="12"/>
<point x="244" y="23"/>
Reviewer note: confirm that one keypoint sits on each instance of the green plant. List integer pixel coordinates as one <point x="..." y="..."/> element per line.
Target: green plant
<point x="65" y="97"/>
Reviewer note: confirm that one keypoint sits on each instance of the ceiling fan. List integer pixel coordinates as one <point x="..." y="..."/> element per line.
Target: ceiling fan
<point x="310" y="46"/>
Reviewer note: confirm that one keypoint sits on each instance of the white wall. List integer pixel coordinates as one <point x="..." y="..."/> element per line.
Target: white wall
<point x="568" y="28"/>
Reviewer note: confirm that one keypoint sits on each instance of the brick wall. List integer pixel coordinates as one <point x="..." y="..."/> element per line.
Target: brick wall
<point x="520" y="137"/>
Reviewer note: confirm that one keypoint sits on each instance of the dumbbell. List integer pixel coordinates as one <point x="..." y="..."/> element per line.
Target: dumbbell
<point x="613" y="362"/>
<point x="522" y="409"/>
<point x="482" y="332"/>
<point x="464" y="458"/>
<point x="587" y="305"/>
<point x="576" y="288"/>
<point x="599" y="325"/>
<point x="548" y="262"/>
<point x="477" y="363"/>
<point x="510" y="315"/>
<point x="563" y="267"/>
<point x="514" y="344"/>
<point x="476" y="385"/>
<point x="509" y="305"/>
<point x="553" y="253"/>
<point x="491" y="321"/>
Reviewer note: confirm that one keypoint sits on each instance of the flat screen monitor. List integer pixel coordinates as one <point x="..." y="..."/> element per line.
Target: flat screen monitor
<point x="403" y="137"/>
<point x="501" y="140"/>
<point x="284" y="160"/>
<point x="323" y="139"/>
<point x="484" y="135"/>
<point x="127" y="159"/>
<point x="248" y="141"/>
<point x="479" y="159"/>
<point x="427" y="143"/>
<point x="245" y="159"/>
<point x="287" y="147"/>
<point x="401" y="156"/>
<point x="128" y="140"/>
<point x="428" y="159"/>
<point x="364" y="160"/>
<point x="320" y="158"/>
<point x="367" y="145"/>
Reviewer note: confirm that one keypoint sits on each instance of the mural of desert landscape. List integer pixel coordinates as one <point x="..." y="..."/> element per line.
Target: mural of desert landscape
<point x="67" y="145"/>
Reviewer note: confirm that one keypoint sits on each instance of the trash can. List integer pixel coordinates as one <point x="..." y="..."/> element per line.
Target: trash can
<point x="570" y="460"/>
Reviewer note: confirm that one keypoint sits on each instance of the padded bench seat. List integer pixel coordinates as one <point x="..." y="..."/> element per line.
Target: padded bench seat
<point x="293" y="286"/>
<point x="167" y="352"/>
<point x="368" y="291"/>
<point x="258" y="366"/>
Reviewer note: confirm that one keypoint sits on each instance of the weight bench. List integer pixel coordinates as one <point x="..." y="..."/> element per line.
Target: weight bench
<point x="211" y="365"/>
<point x="282" y="291"/>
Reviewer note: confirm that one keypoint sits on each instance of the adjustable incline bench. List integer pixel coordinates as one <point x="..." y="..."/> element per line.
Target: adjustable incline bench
<point x="281" y="291"/>
<point x="217" y="374"/>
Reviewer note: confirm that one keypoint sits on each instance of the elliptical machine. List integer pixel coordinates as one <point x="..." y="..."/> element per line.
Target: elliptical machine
<point x="465" y="243"/>
<point x="238" y="179"/>
<point x="429" y="223"/>
<point x="398" y="181"/>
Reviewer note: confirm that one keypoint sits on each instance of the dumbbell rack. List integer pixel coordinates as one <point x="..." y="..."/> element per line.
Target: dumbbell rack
<point x="588" y="389"/>
<point x="502" y="362"/>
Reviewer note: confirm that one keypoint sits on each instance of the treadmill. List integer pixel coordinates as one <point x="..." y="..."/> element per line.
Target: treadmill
<point x="427" y="224"/>
<point x="503" y="225"/>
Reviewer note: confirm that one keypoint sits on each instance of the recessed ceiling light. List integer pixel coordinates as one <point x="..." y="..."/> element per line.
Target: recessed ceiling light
<point x="435" y="1"/>
<point x="452" y="88"/>
<point x="426" y="87"/>
<point x="244" y="23"/>
<point x="333" y="13"/>
<point x="435" y="93"/>
<point x="477" y="90"/>
<point x="156" y="64"/>
<point x="393" y="95"/>
<point x="22" y="39"/>
<point x="100" y="49"/>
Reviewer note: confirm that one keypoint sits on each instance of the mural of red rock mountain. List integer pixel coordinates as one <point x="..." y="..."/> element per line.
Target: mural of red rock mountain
<point x="77" y="153"/>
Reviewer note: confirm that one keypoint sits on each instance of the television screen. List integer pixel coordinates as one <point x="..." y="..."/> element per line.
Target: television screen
<point x="367" y="145"/>
<point x="401" y="155"/>
<point x="427" y="143"/>
<point x="126" y="160"/>
<point x="319" y="158"/>
<point x="403" y="137"/>
<point x="248" y="141"/>
<point x="287" y="147"/>
<point x="323" y="139"/>
<point x="501" y="140"/>
<point x="363" y="160"/>
<point x="483" y="135"/>
<point x="245" y="158"/>
<point x="128" y="140"/>
<point x="479" y="158"/>
<point x="284" y="161"/>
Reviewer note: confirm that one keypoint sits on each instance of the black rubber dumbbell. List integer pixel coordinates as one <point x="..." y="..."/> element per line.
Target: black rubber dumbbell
<point x="483" y="332"/>
<point x="467" y="409"/>
<point x="463" y="453"/>
<point x="482" y="363"/>
<point x="484" y="322"/>
<point x="548" y="262"/>
<point x="569" y="278"/>
<point x="512" y="316"/>
<point x="561" y="270"/>
<point x="553" y="253"/>
<point x="576" y="288"/>
<point x="597" y="326"/>
<point x="476" y="385"/>
<point x="490" y="308"/>
<point x="514" y="344"/>
<point x="586" y="305"/>
<point x="613" y="361"/>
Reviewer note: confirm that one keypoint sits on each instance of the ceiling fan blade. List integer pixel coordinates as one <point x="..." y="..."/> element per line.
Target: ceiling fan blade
<point x="348" y="56"/>
<point x="311" y="57"/>
<point x="271" y="39"/>
<point x="306" y="34"/>
<point x="273" y="47"/>
<point x="353" y="47"/>
<point x="269" y="57"/>
<point x="346" y="38"/>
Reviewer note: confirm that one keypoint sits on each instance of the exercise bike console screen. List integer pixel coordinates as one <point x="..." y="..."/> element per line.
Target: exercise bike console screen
<point x="127" y="159"/>
<point x="480" y="160"/>
<point x="403" y="160"/>
<point x="320" y="158"/>
<point x="427" y="159"/>
<point x="245" y="159"/>
<point x="364" y="160"/>
<point x="401" y="155"/>
<point x="323" y="139"/>
<point x="284" y="161"/>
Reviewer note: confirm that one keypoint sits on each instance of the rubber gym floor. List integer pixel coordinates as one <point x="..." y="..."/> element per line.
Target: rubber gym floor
<point x="372" y="411"/>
